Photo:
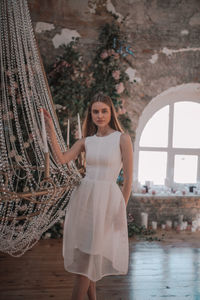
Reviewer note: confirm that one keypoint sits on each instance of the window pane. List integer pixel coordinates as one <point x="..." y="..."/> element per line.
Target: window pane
<point x="155" y="133"/>
<point x="152" y="166"/>
<point x="185" y="168"/>
<point x="186" y="125"/>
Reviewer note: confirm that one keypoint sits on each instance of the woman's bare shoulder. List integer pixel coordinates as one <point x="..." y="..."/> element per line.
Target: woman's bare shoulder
<point x="125" y="138"/>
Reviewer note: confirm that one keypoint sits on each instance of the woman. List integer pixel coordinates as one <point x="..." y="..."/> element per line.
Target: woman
<point x="95" y="239"/>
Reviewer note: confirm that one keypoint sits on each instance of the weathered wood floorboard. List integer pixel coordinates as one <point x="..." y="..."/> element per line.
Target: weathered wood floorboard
<point x="156" y="271"/>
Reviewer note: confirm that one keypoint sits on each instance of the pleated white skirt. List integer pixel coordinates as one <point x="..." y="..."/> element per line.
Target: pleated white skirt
<point x="95" y="238"/>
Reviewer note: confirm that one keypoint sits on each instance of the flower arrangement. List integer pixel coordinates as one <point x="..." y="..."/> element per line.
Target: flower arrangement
<point x="74" y="81"/>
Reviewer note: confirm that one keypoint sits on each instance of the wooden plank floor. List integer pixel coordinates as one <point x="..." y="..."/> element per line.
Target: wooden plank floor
<point x="157" y="270"/>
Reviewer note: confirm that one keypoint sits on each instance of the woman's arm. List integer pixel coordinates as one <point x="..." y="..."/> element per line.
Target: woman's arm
<point x="62" y="157"/>
<point x="127" y="159"/>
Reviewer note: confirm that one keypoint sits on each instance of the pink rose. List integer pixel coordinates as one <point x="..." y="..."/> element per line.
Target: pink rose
<point x="116" y="74"/>
<point x="116" y="55"/>
<point x="65" y="64"/>
<point x="121" y="111"/>
<point x="120" y="88"/>
<point x="111" y="52"/>
<point x="104" y="54"/>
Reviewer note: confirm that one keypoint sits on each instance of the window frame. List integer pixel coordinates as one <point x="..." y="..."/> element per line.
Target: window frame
<point x="186" y="92"/>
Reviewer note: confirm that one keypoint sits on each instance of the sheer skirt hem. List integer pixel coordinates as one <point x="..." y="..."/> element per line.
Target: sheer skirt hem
<point x="94" y="267"/>
<point x="86" y="275"/>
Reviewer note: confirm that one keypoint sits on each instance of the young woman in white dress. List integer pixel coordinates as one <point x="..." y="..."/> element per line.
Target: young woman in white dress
<point x="107" y="150"/>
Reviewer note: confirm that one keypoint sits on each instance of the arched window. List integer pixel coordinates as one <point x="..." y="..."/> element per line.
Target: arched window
<point x="167" y="145"/>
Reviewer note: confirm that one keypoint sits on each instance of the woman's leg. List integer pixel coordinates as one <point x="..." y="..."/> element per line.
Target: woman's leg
<point x="80" y="287"/>
<point x="92" y="290"/>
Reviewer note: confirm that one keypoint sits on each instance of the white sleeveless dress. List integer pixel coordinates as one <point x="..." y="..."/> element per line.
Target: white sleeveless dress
<point x="95" y="238"/>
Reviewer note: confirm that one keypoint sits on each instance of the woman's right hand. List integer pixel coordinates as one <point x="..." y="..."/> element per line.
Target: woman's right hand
<point x="48" y="120"/>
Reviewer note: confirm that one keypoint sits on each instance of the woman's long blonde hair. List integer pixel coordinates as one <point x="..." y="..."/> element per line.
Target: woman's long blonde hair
<point x="89" y="128"/>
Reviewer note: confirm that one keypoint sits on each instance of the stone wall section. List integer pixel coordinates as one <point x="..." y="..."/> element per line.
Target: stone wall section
<point x="163" y="34"/>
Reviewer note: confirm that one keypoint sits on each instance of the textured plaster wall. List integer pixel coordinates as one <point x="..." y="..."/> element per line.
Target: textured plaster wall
<point x="164" y="36"/>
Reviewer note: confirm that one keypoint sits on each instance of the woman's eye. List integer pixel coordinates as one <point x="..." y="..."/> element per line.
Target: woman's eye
<point x="103" y="111"/>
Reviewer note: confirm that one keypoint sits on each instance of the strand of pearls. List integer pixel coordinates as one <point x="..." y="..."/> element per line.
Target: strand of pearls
<point x="29" y="203"/>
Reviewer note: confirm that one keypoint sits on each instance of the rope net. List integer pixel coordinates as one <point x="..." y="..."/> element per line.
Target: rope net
<point x="30" y="202"/>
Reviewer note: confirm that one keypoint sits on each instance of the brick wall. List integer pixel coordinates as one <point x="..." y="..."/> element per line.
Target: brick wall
<point x="162" y="208"/>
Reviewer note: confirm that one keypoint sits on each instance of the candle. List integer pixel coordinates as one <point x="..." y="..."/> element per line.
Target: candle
<point x="169" y="224"/>
<point x="193" y="229"/>
<point x="68" y="128"/>
<point x="44" y="134"/>
<point x="154" y="225"/>
<point x="79" y="127"/>
<point x="144" y="219"/>
<point x="180" y="219"/>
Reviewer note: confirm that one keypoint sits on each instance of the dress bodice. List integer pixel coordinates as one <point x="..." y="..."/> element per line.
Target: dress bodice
<point x="103" y="157"/>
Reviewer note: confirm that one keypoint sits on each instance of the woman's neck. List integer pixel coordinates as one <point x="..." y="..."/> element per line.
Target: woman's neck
<point x="101" y="131"/>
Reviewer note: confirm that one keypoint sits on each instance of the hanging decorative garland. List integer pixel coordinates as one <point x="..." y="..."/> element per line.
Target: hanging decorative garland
<point x="34" y="188"/>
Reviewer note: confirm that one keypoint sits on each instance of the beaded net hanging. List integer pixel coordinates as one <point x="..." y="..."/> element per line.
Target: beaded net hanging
<point x="32" y="197"/>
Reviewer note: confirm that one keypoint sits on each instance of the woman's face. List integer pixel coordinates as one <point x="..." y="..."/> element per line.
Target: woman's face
<point x="101" y="114"/>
